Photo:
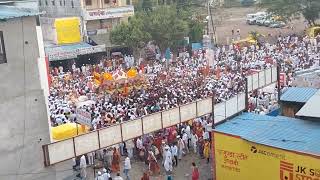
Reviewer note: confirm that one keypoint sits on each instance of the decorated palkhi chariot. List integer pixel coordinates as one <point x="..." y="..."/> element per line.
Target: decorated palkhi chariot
<point x="119" y="81"/>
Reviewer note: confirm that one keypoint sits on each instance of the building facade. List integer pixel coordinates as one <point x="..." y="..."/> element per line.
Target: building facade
<point x="97" y="17"/>
<point x="24" y="126"/>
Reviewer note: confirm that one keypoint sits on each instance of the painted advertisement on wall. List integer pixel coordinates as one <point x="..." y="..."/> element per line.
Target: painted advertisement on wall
<point x="116" y="12"/>
<point x="68" y="30"/>
<point x="239" y="159"/>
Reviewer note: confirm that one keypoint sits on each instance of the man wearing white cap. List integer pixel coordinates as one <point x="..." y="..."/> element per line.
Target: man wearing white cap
<point x="105" y="175"/>
<point x="99" y="177"/>
<point x="83" y="166"/>
<point x="181" y="146"/>
<point x="174" y="150"/>
<point x="168" y="160"/>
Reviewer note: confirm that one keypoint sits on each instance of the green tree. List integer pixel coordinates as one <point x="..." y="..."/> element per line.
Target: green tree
<point x="166" y="28"/>
<point x="196" y="30"/>
<point x="131" y="34"/>
<point x="147" y="5"/>
<point x="288" y="9"/>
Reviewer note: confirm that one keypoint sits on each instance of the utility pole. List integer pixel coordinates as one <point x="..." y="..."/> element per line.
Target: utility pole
<point x="211" y="29"/>
<point x="208" y="20"/>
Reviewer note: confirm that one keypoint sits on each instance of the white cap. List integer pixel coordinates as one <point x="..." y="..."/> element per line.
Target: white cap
<point x="99" y="173"/>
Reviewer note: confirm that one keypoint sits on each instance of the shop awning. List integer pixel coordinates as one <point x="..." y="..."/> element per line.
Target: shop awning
<point x="298" y="94"/>
<point x="62" y="52"/>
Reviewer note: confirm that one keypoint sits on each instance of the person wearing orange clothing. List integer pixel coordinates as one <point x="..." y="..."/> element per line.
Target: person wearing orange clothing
<point x="115" y="166"/>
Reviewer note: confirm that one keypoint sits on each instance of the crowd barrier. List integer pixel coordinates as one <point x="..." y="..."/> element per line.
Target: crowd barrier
<point x="262" y="78"/>
<point x="67" y="149"/>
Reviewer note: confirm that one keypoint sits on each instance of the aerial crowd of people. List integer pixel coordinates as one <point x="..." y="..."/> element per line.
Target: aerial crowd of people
<point x="168" y="85"/>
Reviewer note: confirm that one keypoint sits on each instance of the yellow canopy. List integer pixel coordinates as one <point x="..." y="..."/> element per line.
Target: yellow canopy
<point x="66" y="131"/>
<point x="313" y="31"/>
<point x="132" y="73"/>
<point x="244" y="41"/>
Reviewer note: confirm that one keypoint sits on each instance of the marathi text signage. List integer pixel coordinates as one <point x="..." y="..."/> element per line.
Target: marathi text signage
<point x="83" y="117"/>
<point x="117" y="12"/>
<point x="73" y="53"/>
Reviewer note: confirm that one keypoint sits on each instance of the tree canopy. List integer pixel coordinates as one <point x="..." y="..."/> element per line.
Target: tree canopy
<point x="131" y="33"/>
<point x="165" y="27"/>
<point x="289" y="9"/>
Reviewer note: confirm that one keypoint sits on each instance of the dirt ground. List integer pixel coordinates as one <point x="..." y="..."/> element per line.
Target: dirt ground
<point x="235" y="18"/>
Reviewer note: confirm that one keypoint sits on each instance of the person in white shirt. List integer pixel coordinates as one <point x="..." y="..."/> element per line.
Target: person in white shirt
<point x="130" y="146"/>
<point x="168" y="161"/>
<point x="90" y="158"/>
<point x="188" y="131"/>
<point x="99" y="177"/>
<point x="83" y="166"/>
<point x="118" y="177"/>
<point x="174" y="151"/>
<point x="140" y="148"/>
<point x="105" y="175"/>
<point x="185" y="140"/>
<point x="127" y="167"/>
<point x="205" y="134"/>
<point x="194" y="141"/>
<point x="181" y="147"/>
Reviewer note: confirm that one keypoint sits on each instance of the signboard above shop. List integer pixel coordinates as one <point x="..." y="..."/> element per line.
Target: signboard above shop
<point x="116" y="12"/>
<point x="66" y="52"/>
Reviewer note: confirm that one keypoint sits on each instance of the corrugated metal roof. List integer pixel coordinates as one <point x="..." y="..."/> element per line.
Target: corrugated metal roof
<point x="311" y="108"/>
<point x="298" y="94"/>
<point x="68" y="47"/>
<point x="9" y="12"/>
<point x="281" y="132"/>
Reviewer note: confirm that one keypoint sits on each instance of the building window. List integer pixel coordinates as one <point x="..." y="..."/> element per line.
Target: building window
<point x="53" y="3"/>
<point x="64" y="2"/>
<point x="72" y="5"/>
<point x="106" y="1"/>
<point x="3" y="58"/>
<point x="46" y="3"/>
<point x="60" y="3"/>
<point x="39" y="2"/>
<point x="128" y="2"/>
<point x="88" y="2"/>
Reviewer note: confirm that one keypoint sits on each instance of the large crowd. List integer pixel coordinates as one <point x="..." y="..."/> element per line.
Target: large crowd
<point x="168" y="85"/>
<point x="184" y="80"/>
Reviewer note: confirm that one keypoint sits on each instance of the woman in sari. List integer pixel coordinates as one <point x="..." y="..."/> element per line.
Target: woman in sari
<point x="206" y="150"/>
<point x="153" y="164"/>
<point x="115" y="166"/>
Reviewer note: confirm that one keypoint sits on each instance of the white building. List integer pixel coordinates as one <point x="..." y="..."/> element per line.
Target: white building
<point x="24" y="124"/>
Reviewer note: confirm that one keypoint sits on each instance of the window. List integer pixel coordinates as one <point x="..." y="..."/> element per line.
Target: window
<point x="46" y="3"/>
<point x="88" y="2"/>
<point x="128" y="2"/>
<point x="3" y="58"/>
<point x="60" y="3"/>
<point x="53" y="3"/>
<point x="72" y="5"/>
<point x="106" y="1"/>
<point x="64" y="2"/>
<point x="39" y="2"/>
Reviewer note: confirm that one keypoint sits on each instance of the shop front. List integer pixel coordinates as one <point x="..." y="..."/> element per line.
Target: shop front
<point x="81" y="53"/>
<point x="239" y="157"/>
